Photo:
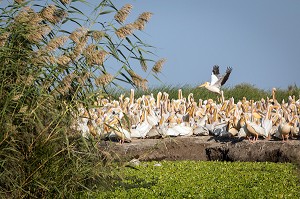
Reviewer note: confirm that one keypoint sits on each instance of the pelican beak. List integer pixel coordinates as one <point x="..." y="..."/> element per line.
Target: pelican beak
<point x="202" y="85"/>
<point x="256" y="115"/>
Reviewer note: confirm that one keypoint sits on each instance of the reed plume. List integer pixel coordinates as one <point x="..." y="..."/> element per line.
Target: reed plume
<point x="94" y="56"/>
<point x="104" y="79"/>
<point x="59" y="15"/>
<point x="83" y="77"/>
<point x="125" y="31"/>
<point x="142" y="20"/>
<point x="48" y="13"/>
<point x="138" y="80"/>
<point x="29" y="18"/>
<point x="36" y="35"/>
<point x="63" y="60"/>
<point x="65" y="1"/>
<point x="24" y="16"/>
<point x="98" y="35"/>
<point x="40" y="58"/>
<point x="158" y="66"/>
<point x="55" y="43"/>
<point x="79" y="47"/>
<point x="143" y="64"/>
<point x="65" y="84"/>
<point x="144" y="85"/>
<point x="122" y="14"/>
<point x="134" y="75"/>
<point x="51" y="59"/>
<point x="35" y="30"/>
<point x="78" y="34"/>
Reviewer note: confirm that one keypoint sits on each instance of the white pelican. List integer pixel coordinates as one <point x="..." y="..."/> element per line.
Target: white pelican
<point x="253" y="129"/>
<point x="217" y="80"/>
<point x="285" y="129"/>
<point x="143" y="127"/>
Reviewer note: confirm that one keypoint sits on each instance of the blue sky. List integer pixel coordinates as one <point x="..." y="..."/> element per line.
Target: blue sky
<point x="259" y="39"/>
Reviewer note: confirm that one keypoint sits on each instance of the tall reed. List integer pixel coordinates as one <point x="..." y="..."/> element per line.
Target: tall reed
<point x="46" y="71"/>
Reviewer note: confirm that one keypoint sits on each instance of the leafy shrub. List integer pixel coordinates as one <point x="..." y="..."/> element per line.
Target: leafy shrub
<point x="237" y="92"/>
<point x="248" y="91"/>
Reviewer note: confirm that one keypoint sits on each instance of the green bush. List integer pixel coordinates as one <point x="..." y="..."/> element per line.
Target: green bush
<point x="237" y="92"/>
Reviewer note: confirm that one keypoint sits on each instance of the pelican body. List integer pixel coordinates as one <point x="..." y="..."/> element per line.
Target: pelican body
<point x="217" y="80"/>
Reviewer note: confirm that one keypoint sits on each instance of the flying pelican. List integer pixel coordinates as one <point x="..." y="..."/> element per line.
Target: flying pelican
<point x="217" y="80"/>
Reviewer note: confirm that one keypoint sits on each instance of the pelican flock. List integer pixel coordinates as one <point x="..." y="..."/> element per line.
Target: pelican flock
<point x="159" y="116"/>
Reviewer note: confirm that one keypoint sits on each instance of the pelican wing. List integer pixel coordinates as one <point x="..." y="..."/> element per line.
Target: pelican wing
<point x="222" y="80"/>
<point x="215" y="75"/>
<point x="216" y="70"/>
<point x="226" y="76"/>
<point x="214" y="79"/>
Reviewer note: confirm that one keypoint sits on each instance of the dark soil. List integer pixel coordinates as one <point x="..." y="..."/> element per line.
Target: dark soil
<point x="206" y="148"/>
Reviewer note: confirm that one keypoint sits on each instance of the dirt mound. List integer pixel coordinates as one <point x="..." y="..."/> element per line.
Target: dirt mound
<point x="206" y="148"/>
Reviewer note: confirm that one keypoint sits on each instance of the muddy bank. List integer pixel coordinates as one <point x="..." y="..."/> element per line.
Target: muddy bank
<point x="206" y="148"/>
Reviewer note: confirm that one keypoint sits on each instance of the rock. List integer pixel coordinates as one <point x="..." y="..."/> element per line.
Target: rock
<point x="154" y="133"/>
<point x="201" y="131"/>
<point x="206" y="148"/>
<point x="134" y="162"/>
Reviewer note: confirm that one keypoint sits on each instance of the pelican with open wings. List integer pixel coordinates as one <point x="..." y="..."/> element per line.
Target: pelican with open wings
<point x="217" y="80"/>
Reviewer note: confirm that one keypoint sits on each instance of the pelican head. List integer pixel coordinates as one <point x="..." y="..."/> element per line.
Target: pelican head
<point x="204" y="85"/>
<point x="211" y="88"/>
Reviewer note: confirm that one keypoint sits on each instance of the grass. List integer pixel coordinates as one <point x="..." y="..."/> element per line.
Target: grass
<point x="200" y="179"/>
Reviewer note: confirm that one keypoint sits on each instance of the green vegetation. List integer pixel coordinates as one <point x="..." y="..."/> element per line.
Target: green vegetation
<point x="197" y="179"/>
<point x="237" y="92"/>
